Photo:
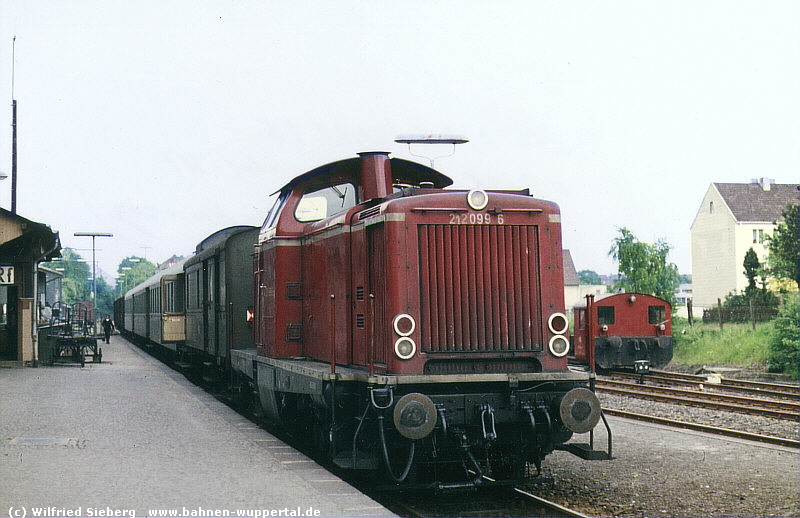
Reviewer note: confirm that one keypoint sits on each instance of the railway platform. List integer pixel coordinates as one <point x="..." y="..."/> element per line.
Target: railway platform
<point x="131" y="437"/>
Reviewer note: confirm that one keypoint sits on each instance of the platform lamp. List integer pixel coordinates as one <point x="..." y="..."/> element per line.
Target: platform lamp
<point x="93" y="235"/>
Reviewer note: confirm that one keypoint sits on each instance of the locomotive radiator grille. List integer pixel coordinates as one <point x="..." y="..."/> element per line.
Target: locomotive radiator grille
<point x="480" y="288"/>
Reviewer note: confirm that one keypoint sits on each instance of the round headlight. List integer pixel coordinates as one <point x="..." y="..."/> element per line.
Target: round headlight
<point x="477" y="199"/>
<point x="404" y="324"/>
<point x="405" y="348"/>
<point x="559" y="346"/>
<point x="558" y="323"/>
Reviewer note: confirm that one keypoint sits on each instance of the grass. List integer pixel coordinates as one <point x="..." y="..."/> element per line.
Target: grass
<point x="736" y="345"/>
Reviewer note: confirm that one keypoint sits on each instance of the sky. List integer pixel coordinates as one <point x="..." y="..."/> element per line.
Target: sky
<point x="162" y="122"/>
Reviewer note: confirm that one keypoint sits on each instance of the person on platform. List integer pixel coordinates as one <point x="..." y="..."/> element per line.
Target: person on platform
<point x="108" y="326"/>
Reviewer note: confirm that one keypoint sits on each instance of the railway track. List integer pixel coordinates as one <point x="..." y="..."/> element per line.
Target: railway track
<point x="484" y="502"/>
<point x="762" y="388"/>
<point x="779" y="441"/>
<point x="772" y="401"/>
<point x="704" y="398"/>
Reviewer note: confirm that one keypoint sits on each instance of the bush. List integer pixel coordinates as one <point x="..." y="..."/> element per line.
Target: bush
<point x="783" y="347"/>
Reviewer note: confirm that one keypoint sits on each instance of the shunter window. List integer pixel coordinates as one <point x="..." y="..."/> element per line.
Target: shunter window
<point x="656" y="314"/>
<point x="605" y="315"/>
<point x="324" y="202"/>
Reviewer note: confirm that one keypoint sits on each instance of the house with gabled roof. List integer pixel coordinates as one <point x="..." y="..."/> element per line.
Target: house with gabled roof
<point x="732" y="218"/>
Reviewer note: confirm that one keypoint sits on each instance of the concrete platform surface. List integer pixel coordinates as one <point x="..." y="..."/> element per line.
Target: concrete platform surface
<point x="131" y="437"/>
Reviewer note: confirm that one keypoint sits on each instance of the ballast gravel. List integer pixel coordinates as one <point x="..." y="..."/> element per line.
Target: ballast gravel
<point x="660" y="471"/>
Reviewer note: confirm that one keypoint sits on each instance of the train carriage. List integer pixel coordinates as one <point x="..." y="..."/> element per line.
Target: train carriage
<point x="154" y="310"/>
<point x="219" y="292"/>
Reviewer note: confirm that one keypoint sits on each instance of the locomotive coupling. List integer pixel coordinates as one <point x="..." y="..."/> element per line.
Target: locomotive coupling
<point x="580" y="410"/>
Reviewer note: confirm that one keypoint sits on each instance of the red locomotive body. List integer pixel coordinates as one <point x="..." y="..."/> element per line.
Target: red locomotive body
<point x="402" y="324"/>
<point x="465" y="283"/>
<point x="619" y="330"/>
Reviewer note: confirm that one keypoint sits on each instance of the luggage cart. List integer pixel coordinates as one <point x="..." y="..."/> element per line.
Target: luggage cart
<point x="72" y="334"/>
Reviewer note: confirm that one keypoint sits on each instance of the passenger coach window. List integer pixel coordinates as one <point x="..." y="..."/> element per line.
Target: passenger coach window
<point x="605" y="315"/>
<point x="656" y="314"/>
<point x="325" y="202"/>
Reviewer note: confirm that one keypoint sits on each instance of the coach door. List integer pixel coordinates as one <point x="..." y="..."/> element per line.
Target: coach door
<point x="210" y="283"/>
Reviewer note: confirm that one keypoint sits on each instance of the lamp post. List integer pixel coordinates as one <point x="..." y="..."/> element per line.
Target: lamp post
<point x="93" y="235"/>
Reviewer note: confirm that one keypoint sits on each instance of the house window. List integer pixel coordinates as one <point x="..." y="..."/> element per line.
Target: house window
<point x="755" y="236"/>
<point x="711" y="207"/>
<point x="760" y="236"/>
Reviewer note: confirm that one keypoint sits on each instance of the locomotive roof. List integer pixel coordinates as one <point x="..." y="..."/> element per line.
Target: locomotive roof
<point x="403" y="171"/>
<point x="604" y="297"/>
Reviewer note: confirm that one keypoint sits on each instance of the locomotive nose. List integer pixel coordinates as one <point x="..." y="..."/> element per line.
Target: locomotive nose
<point x="580" y="410"/>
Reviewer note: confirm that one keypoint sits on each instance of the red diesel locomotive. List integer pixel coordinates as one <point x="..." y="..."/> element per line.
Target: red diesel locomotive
<point x="415" y="330"/>
<point x="623" y="330"/>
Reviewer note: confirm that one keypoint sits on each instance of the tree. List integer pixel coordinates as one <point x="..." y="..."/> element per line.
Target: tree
<point x="589" y="277"/>
<point x="784" y="246"/>
<point x="751" y="269"/>
<point x="75" y="286"/>
<point x="783" y="346"/>
<point x="643" y="267"/>
<point x="134" y="270"/>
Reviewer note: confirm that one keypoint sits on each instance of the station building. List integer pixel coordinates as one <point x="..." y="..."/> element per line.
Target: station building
<point x="23" y="286"/>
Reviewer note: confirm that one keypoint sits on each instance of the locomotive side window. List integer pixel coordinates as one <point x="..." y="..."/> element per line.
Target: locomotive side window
<point x="656" y="314"/>
<point x="605" y="315"/>
<point x="325" y="202"/>
<point x="272" y="217"/>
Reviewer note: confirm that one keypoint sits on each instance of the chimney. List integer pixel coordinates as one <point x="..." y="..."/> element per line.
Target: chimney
<point x="765" y="183"/>
<point x="376" y="175"/>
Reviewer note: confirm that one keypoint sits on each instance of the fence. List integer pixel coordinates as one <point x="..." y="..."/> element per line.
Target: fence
<point x="740" y="314"/>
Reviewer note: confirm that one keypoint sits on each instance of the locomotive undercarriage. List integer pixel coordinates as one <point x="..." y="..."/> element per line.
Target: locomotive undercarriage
<point x="431" y="435"/>
<point x="616" y="351"/>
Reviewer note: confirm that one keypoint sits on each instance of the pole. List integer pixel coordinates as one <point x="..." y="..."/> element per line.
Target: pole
<point x="13" y="132"/>
<point x="93" y="235"/>
<point x="13" y="156"/>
